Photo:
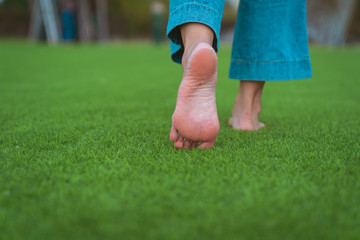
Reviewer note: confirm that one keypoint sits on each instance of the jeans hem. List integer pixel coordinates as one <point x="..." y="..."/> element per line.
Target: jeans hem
<point x="270" y="70"/>
<point x="191" y="13"/>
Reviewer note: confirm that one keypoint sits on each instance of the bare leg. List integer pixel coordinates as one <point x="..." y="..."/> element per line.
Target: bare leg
<point x="247" y="106"/>
<point x="195" y="120"/>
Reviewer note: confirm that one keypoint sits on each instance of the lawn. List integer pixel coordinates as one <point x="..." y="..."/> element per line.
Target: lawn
<point x="85" y="154"/>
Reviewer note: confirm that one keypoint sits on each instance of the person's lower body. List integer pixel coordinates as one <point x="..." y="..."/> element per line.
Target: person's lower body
<point x="270" y="44"/>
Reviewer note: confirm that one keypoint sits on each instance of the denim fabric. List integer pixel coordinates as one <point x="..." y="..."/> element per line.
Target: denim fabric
<point x="270" y="39"/>
<point x="208" y="12"/>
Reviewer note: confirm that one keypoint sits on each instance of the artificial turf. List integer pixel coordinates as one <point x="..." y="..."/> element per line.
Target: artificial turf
<point x="85" y="152"/>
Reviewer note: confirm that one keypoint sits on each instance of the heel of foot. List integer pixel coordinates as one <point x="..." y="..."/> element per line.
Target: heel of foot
<point x="203" y="61"/>
<point x="245" y="125"/>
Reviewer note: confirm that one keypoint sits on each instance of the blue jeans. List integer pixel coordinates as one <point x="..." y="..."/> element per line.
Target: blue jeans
<point x="270" y="39"/>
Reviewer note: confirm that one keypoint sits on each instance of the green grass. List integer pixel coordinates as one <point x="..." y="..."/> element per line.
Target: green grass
<point x="85" y="152"/>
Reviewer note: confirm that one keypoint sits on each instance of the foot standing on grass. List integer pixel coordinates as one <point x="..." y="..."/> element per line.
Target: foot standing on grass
<point x="270" y="44"/>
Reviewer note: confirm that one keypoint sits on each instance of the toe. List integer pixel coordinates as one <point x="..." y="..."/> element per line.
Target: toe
<point x="260" y="125"/>
<point x="187" y="144"/>
<point x="206" y="145"/>
<point x="179" y="142"/>
<point x="173" y="134"/>
<point x="193" y="144"/>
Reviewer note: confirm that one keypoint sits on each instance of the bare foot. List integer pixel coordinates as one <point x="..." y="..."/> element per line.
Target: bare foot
<point x="245" y="122"/>
<point x="195" y="121"/>
<point x="247" y="107"/>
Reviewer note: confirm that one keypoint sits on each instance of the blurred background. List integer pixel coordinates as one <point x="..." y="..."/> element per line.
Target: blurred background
<point x="331" y="22"/>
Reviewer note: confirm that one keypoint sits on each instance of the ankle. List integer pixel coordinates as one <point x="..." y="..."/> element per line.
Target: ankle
<point x="196" y="32"/>
<point x="257" y="110"/>
<point x="249" y="115"/>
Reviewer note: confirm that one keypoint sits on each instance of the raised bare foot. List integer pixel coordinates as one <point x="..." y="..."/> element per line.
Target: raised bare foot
<point x="195" y="121"/>
<point x="247" y="107"/>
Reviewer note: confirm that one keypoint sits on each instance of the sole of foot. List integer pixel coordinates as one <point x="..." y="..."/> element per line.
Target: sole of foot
<point x="195" y="122"/>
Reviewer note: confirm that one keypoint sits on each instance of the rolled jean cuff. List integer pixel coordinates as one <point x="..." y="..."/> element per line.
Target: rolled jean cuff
<point x="191" y="13"/>
<point x="270" y="70"/>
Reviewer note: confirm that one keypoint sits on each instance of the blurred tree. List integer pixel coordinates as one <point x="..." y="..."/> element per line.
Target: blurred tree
<point x="85" y="30"/>
<point x="132" y="17"/>
<point x="45" y="14"/>
<point x="329" y="21"/>
<point x="102" y="20"/>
